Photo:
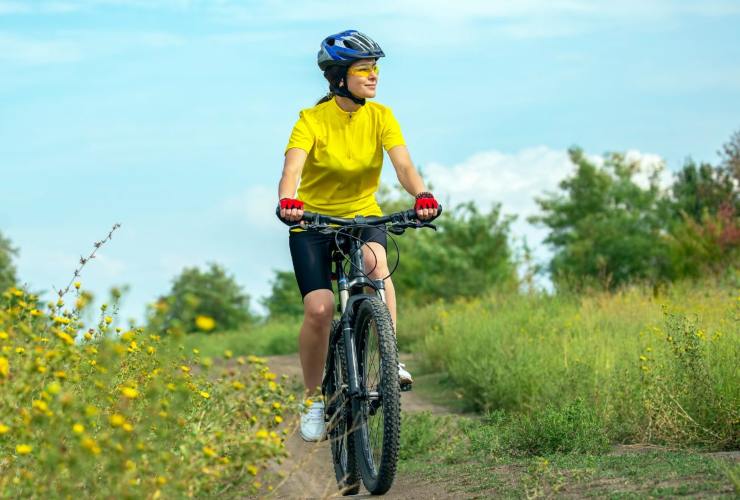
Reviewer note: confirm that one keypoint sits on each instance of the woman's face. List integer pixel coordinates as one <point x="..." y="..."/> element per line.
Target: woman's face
<point x="362" y="78"/>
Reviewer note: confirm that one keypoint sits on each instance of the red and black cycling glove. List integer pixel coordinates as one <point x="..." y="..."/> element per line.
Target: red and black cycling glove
<point x="425" y="200"/>
<point x="290" y="203"/>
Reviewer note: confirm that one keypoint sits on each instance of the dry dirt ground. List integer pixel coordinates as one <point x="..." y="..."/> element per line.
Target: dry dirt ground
<point x="309" y="469"/>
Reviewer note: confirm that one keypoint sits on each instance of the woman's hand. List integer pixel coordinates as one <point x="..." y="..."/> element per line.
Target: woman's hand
<point x="426" y="206"/>
<point x="291" y="209"/>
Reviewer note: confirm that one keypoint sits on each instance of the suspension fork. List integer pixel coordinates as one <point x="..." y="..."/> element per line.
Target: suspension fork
<point x="348" y="337"/>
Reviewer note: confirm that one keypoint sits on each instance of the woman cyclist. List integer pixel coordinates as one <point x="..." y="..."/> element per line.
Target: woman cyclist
<point x="336" y="152"/>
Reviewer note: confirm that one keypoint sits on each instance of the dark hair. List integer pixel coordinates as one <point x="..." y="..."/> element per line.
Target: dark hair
<point x="334" y="75"/>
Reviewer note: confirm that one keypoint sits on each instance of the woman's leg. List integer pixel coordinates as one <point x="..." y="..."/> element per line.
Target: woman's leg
<point x="377" y="263"/>
<point x="313" y="343"/>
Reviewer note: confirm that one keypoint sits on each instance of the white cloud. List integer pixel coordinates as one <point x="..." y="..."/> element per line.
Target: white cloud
<point x="29" y="51"/>
<point x="73" y="46"/>
<point x="515" y="180"/>
<point x="254" y="207"/>
<point x="511" y="179"/>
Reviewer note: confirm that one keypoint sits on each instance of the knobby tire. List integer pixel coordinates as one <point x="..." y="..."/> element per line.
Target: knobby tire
<point x="377" y="432"/>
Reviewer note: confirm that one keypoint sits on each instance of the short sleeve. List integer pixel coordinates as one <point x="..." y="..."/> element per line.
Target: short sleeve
<point x="391" y="135"/>
<point x="301" y="137"/>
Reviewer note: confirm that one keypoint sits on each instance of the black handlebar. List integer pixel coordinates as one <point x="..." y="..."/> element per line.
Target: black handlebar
<point x="406" y="218"/>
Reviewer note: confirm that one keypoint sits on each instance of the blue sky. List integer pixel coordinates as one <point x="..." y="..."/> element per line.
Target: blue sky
<point x="171" y="116"/>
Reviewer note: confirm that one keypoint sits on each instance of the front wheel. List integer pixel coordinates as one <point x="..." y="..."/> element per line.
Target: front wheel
<point x="340" y="420"/>
<point x="378" y="421"/>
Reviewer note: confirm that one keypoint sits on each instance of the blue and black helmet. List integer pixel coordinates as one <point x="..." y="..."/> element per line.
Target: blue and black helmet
<point x="346" y="47"/>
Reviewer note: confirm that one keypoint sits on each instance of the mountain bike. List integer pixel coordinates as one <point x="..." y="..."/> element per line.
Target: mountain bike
<point x="360" y="385"/>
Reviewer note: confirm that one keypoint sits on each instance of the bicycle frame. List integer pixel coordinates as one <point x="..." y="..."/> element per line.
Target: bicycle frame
<point x="351" y="294"/>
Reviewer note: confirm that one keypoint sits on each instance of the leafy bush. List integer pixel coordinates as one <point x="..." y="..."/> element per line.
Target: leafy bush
<point x="105" y="412"/>
<point x="208" y="301"/>
<point x="7" y="269"/>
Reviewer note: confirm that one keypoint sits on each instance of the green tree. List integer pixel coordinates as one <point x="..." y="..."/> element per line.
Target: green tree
<point x="604" y="227"/>
<point x="468" y="255"/>
<point x="730" y="154"/>
<point x="285" y="298"/>
<point x="700" y="189"/>
<point x="8" y="276"/>
<point x="211" y="294"/>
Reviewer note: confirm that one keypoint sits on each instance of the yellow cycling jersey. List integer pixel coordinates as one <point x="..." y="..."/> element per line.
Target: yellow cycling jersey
<point x="345" y="156"/>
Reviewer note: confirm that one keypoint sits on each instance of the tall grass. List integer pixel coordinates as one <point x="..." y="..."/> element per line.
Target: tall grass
<point x="652" y="369"/>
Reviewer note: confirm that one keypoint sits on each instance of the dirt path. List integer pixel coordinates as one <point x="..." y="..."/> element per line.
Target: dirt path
<point x="309" y="468"/>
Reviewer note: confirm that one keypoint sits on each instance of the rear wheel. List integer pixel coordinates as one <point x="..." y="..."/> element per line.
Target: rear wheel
<point x="340" y="422"/>
<point x="378" y="423"/>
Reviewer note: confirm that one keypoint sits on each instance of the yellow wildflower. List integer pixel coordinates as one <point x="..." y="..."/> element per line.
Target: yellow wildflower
<point x="237" y="385"/>
<point x="276" y="405"/>
<point x="78" y="428"/>
<point x="205" y="323"/>
<point x="40" y="406"/>
<point x="4" y="336"/>
<point x="108" y="320"/>
<point x="128" y="427"/>
<point x="130" y="392"/>
<point x="78" y="285"/>
<point x="228" y="354"/>
<point x="90" y="445"/>
<point x="278" y="419"/>
<point x="117" y="420"/>
<point x="209" y="452"/>
<point x="65" y="337"/>
<point x="23" y="449"/>
<point x="252" y="469"/>
<point x="60" y="374"/>
<point x="4" y="429"/>
<point x="204" y="394"/>
<point x="4" y="367"/>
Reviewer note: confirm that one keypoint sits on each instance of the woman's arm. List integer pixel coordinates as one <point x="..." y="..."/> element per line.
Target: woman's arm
<point x="295" y="158"/>
<point x="405" y="170"/>
<point x="409" y="177"/>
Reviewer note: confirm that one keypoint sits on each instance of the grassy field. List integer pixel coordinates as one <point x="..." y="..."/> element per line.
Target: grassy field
<point x="622" y="395"/>
<point x="271" y="338"/>
<point x="492" y="457"/>
<point x="647" y="369"/>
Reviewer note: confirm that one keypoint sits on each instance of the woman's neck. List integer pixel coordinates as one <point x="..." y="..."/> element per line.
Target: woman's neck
<point x="347" y="104"/>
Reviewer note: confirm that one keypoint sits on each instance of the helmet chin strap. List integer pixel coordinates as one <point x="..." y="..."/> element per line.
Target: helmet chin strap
<point x="344" y="91"/>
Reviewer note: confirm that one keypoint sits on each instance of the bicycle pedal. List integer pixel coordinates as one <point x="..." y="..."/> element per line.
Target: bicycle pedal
<point x="406" y="387"/>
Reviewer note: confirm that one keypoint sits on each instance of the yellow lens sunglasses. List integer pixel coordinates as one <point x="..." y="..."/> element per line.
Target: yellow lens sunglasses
<point x="364" y="71"/>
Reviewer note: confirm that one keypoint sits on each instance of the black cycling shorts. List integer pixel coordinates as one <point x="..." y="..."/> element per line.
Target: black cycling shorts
<point x="311" y="251"/>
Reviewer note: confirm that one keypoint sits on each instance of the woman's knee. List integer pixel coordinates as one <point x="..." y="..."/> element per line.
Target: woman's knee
<point x="376" y="263"/>
<point x="318" y="306"/>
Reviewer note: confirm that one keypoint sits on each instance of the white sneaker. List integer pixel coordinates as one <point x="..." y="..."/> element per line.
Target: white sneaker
<point x="313" y="426"/>
<point x="404" y="377"/>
